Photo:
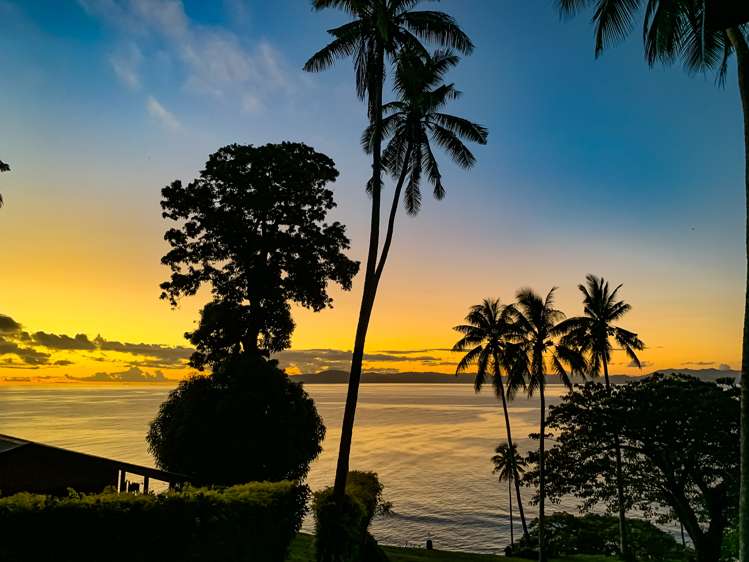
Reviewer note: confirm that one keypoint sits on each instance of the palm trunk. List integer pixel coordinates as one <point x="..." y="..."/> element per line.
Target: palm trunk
<point x="742" y="62"/>
<point x="623" y="542"/>
<point x="509" y="443"/>
<point x="369" y="291"/>
<point x="512" y="526"/>
<point x="541" y="476"/>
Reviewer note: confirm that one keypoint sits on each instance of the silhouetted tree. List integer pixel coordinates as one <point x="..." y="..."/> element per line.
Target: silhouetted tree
<point x="592" y="335"/>
<point x="543" y="351"/>
<point x="508" y="466"/>
<point x="680" y="452"/>
<point x="703" y="34"/>
<point x="488" y="336"/>
<point x="380" y="29"/>
<point x="3" y="168"/>
<point x="247" y="421"/>
<point x="252" y="227"/>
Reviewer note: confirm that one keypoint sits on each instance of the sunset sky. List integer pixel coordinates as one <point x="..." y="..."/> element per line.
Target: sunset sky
<point x="600" y="166"/>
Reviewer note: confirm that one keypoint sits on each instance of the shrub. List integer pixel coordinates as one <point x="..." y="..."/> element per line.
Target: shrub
<point x="249" y="523"/>
<point x="599" y="534"/>
<point x="342" y="532"/>
<point x="246" y="422"/>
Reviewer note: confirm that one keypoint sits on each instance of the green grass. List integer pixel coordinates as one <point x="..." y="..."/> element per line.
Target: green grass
<point x="303" y="550"/>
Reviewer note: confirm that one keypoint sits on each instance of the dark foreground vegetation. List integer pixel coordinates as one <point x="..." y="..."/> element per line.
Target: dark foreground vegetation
<point x="249" y="523"/>
<point x="303" y="550"/>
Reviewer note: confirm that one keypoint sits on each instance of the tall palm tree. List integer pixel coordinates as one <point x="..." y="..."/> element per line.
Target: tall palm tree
<point x="413" y="123"/>
<point x="488" y="335"/>
<point x="703" y="35"/>
<point x="543" y="351"/>
<point x="592" y="335"/>
<point x="378" y="31"/>
<point x="3" y="168"/>
<point x="508" y="464"/>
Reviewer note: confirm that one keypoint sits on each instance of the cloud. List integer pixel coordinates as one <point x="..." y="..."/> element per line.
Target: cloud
<point x="643" y="364"/>
<point x="125" y="63"/>
<point x="316" y="360"/>
<point x="133" y="374"/>
<point x="699" y="363"/>
<point x="8" y="325"/>
<point x="169" y="356"/>
<point x="78" y="342"/>
<point x="162" y="114"/>
<point x="19" y="349"/>
<point x="210" y="60"/>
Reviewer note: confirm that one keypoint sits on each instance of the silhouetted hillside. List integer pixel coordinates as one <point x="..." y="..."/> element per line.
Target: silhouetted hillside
<point x="341" y="377"/>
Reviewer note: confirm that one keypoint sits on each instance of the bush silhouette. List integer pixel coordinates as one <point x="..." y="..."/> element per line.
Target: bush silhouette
<point x="245" y="422"/>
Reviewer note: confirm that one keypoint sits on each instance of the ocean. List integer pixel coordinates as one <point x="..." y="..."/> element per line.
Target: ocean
<point x="429" y="443"/>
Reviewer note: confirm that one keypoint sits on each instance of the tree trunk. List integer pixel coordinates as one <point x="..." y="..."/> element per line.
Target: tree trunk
<point x="509" y="496"/>
<point x="623" y="542"/>
<point x="541" y="476"/>
<point x="742" y="62"/>
<point x="370" y="287"/>
<point x="509" y="443"/>
<point x="391" y="218"/>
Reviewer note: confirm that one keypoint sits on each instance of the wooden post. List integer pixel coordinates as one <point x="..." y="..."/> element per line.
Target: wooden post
<point x="145" y="484"/>
<point x="123" y="486"/>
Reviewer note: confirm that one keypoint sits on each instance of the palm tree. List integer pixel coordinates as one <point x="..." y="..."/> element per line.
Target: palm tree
<point x="380" y="29"/>
<point x="488" y="336"/>
<point x="416" y="121"/>
<point x="543" y="351"/>
<point x="592" y="335"/>
<point x="3" y="168"/>
<point x="703" y="34"/>
<point x="508" y="464"/>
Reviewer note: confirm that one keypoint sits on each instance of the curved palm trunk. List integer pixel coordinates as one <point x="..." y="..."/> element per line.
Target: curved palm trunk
<point x="509" y="442"/>
<point x="369" y="291"/>
<point x="623" y="540"/>
<point x="541" y="475"/>
<point x="742" y="63"/>
<point x="512" y="526"/>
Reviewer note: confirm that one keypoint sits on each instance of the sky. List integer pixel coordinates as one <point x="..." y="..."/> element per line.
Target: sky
<point x="593" y="166"/>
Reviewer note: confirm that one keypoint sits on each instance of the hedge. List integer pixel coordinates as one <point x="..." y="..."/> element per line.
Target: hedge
<point x="342" y="532"/>
<point x="250" y="522"/>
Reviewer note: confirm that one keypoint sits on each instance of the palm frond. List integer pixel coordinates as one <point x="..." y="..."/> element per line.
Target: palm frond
<point x="439" y="28"/>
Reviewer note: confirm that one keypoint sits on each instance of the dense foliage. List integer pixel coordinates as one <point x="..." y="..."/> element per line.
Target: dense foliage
<point x="568" y="535"/>
<point x="342" y="531"/>
<point x="252" y="227"/>
<point x="680" y="452"/>
<point x="245" y="422"/>
<point x="249" y="523"/>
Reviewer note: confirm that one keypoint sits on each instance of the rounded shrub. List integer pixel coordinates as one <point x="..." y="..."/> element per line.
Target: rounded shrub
<point x="245" y="422"/>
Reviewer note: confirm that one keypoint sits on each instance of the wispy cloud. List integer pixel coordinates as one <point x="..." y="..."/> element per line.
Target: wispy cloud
<point x="211" y="60"/>
<point x="133" y="374"/>
<point x="125" y="63"/>
<point x="162" y="114"/>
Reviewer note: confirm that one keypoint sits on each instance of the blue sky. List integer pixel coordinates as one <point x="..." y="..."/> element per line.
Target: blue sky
<point x="604" y="166"/>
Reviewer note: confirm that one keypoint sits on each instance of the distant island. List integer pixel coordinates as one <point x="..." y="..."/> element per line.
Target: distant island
<point x="341" y="377"/>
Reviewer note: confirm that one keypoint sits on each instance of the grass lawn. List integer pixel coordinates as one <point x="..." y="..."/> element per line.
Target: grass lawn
<point x="302" y="550"/>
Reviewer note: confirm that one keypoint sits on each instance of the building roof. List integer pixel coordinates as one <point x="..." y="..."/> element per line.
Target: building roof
<point x="9" y="443"/>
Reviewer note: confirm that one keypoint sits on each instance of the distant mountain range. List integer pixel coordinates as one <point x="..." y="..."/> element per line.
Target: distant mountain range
<point x="338" y="377"/>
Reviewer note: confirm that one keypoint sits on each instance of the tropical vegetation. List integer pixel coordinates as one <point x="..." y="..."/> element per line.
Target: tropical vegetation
<point x="592" y="334"/>
<point x="253" y="228"/>
<point x="509" y="466"/>
<point x="245" y="422"/>
<point x="379" y="33"/>
<point x="254" y="522"/>
<point x="703" y="35"/>
<point x="679" y="439"/>
<point x="489" y="342"/>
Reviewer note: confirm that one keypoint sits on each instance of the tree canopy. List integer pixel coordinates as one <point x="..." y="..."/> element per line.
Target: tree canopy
<point x="680" y="451"/>
<point x="253" y="227"/>
<point x="229" y="428"/>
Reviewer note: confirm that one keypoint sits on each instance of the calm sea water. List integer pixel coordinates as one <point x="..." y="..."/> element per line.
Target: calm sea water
<point x="430" y="444"/>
